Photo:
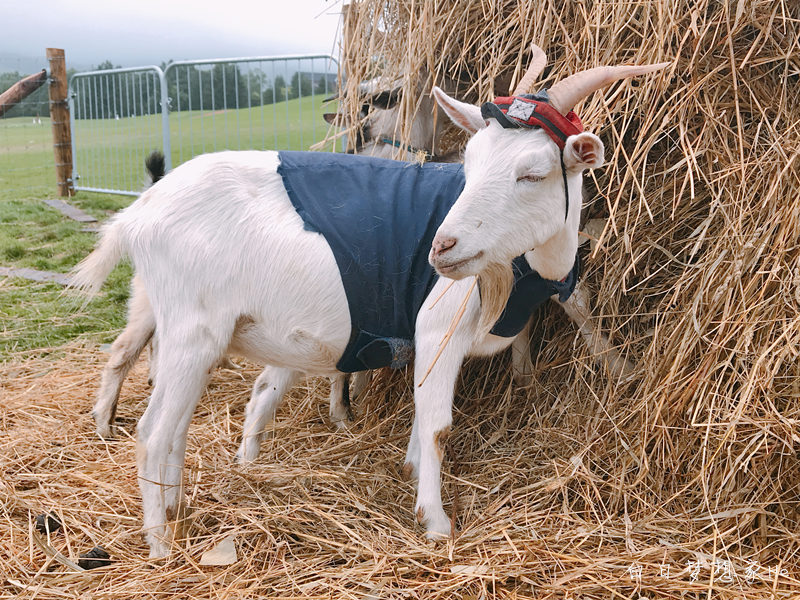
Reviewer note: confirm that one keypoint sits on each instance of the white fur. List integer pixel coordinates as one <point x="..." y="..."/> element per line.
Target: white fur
<point x="228" y="267"/>
<point x="139" y="330"/>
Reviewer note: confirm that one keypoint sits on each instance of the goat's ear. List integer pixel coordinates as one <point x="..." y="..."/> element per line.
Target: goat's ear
<point x="583" y="151"/>
<point x="333" y="118"/>
<point x="466" y="116"/>
<point x="387" y="99"/>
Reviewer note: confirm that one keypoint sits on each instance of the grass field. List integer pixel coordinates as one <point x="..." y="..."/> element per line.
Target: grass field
<point x="111" y="154"/>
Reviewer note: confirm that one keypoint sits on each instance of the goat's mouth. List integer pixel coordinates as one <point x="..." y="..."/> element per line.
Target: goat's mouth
<point x="451" y="268"/>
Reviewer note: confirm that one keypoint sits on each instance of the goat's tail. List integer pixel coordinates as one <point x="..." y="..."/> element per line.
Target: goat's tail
<point x="89" y="274"/>
<point x="154" y="163"/>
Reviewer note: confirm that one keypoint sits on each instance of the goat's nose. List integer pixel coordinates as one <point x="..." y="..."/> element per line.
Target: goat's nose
<point x="443" y="244"/>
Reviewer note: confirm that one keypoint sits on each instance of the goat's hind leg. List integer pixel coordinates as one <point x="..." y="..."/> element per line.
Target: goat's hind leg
<point x="187" y="351"/>
<point x="578" y="309"/>
<point x="124" y="352"/>
<point x="268" y="391"/>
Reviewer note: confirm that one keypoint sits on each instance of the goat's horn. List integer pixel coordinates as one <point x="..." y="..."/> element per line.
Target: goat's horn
<point x="538" y="61"/>
<point x="567" y="92"/>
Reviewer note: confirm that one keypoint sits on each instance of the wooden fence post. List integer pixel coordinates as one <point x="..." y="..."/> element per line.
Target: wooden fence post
<point x="59" y="117"/>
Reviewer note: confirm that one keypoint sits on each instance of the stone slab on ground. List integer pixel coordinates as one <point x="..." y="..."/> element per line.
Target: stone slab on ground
<point x="34" y="275"/>
<point x="73" y="212"/>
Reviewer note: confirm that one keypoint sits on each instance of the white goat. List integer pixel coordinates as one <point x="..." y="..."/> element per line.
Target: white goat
<point x="140" y="330"/>
<point x="378" y="135"/>
<point x="228" y="266"/>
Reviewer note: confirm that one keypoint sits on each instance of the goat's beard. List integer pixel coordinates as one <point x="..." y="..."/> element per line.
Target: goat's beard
<point x="496" y="281"/>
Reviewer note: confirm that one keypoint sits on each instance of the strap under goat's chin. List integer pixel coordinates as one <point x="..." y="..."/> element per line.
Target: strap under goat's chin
<point x="566" y="187"/>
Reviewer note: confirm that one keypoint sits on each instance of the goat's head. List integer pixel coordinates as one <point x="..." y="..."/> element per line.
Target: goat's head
<point x="514" y="196"/>
<point x="377" y="131"/>
<point x="378" y="101"/>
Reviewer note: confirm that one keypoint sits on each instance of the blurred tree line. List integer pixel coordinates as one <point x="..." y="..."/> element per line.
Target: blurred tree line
<point x="190" y="87"/>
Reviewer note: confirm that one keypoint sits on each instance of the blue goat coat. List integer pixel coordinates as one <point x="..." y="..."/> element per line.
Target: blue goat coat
<point x="379" y="217"/>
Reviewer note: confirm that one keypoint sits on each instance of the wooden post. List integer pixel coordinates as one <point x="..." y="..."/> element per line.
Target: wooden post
<point x="59" y="117"/>
<point x="21" y="90"/>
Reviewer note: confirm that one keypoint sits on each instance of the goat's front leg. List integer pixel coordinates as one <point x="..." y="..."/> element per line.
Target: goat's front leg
<point x="433" y="402"/>
<point x="411" y="466"/>
<point x="578" y="309"/>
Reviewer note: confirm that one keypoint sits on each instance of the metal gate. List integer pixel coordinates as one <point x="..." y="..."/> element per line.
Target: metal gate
<point x="119" y="116"/>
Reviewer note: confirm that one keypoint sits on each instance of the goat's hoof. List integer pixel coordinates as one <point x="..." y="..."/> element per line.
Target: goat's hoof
<point x="436" y="521"/>
<point x="244" y="458"/>
<point x="102" y="427"/>
<point x="227" y="363"/>
<point x="104" y="432"/>
<point x="522" y="379"/>
<point x="340" y="416"/>
<point x="249" y="449"/>
<point x="158" y="554"/>
<point x="437" y="536"/>
<point x="159" y="550"/>
<point x="408" y="472"/>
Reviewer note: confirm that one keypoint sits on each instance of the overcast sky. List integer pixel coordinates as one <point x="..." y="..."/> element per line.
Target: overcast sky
<point x="140" y="32"/>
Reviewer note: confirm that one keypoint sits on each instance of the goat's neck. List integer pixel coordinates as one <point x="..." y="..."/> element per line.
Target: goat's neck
<point x="554" y="259"/>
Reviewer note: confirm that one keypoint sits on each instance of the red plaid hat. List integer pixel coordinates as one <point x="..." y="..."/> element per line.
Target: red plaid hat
<point x="533" y="110"/>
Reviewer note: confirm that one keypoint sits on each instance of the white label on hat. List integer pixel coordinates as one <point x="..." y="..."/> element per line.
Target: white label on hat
<point x="520" y="110"/>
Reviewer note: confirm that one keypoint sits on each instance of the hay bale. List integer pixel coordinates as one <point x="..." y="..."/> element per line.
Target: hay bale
<point x="697" y="273"/>
<point x="682" y="482"/>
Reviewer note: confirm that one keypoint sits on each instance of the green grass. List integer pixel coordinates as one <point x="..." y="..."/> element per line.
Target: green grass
<point x="35" y="316"/>
<point x="27" y="166"/>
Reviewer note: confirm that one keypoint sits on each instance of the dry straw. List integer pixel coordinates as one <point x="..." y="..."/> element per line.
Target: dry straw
<point x="682" y="482"/>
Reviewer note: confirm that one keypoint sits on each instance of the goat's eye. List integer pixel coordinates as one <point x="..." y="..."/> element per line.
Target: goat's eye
<point x="530" y="178"/>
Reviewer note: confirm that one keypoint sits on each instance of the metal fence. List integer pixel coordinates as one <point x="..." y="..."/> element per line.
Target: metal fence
<point x="26" y="137"/>
<point x="191" y="107"/>
<point x="117" y="116"/>
<point x="26" y="150"/>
